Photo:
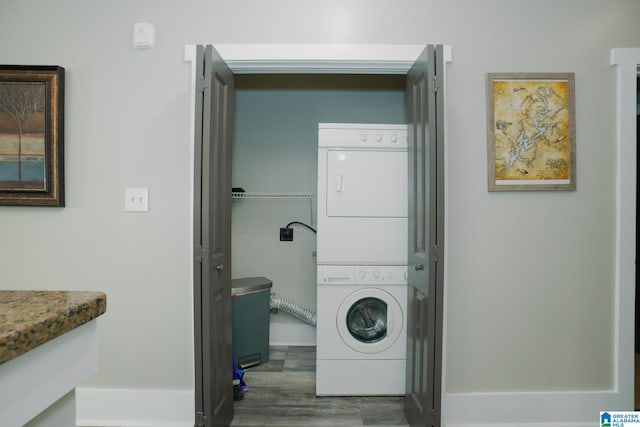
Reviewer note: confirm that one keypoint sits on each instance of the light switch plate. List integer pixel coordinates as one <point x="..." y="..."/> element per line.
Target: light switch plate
<point x="136" y="199"/>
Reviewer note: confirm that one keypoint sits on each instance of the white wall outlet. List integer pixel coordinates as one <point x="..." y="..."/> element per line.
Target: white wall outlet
<point x="136" y="199"/>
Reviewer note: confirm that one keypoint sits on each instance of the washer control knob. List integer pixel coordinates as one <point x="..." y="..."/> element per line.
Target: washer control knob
<point x="394" y="138"/>
<point x="363" y="137"/>
<point x="406" y="275"/>
<point x="376" y="274"/>
<point x="378" y="138"/>
<point x="362" y="274"/>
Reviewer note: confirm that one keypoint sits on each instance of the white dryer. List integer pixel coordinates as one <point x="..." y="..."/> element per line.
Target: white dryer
<point x="362" y="194"/>
<point x="362" y="328"/>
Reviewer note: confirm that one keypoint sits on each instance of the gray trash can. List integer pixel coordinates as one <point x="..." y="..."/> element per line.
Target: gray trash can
<point x="250" y="320"/>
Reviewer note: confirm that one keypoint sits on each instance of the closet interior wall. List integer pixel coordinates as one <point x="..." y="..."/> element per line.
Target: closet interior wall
<point x="275" y="159"/>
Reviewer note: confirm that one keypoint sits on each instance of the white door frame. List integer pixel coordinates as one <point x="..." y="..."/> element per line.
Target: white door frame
<point x="317" y="59"/>
<point x="626" y="61"/>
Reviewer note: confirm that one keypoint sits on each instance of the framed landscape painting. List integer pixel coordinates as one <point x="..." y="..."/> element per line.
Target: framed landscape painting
<point x="531" y="131"/>
<point x="31" y="135"/>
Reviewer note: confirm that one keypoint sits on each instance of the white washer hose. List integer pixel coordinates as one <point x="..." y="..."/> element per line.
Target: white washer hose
<point x="289" y="307"/>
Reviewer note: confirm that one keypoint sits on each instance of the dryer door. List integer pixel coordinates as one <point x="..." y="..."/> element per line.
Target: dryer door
<point x="369" y="320"/>
<point x="366" y="183"/>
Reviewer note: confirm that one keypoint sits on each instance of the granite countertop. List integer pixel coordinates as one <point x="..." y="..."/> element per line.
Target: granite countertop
<point x="31" y="318"/>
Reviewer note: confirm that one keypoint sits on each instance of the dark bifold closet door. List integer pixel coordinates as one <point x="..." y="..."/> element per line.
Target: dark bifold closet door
<point x="637" y="314"/>
<point x="212" y="240"/>
<point x="425" y="242"/>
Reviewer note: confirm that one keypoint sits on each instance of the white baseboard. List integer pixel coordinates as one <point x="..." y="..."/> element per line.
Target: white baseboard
<point x="525" y="425"/>
<point x="134" y="407"/>
<point x="522" y="409"/>
<point x="175" y="408"/>
<point x="281" y="333"/>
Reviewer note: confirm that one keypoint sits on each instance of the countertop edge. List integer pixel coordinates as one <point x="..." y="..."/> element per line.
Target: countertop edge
<point x="20" y="336"/>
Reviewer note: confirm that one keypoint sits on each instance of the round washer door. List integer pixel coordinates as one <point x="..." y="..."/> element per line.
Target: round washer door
<point x="369" y="320"/>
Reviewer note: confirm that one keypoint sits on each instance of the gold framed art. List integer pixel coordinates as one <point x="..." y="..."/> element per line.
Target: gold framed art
<point x="531" y="131"/>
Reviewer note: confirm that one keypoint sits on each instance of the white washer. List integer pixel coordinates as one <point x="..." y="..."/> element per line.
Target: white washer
<point x="362" y="194"/>
<point x="362" y="328"/>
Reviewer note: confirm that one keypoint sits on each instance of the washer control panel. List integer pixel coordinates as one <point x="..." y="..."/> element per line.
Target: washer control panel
<point x="381" y="275"/>
<point x="362" y="275"/>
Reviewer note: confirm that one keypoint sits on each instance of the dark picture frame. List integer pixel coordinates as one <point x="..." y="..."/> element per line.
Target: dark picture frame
<point x="531" y="131"/>
<point x="31" y="135"/>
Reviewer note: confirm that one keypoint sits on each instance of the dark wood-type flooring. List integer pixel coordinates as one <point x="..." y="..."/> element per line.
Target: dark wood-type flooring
<point x="282" y="393"/>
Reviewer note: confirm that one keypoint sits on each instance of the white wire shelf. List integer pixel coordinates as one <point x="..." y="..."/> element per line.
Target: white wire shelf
<point x="270" y="196"/>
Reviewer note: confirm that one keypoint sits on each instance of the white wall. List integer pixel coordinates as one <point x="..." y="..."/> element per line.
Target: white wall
<point x="529" y="276"/>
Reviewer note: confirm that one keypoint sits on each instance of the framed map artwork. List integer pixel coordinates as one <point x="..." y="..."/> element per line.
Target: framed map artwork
<point x="31" y="135"/>
<point x="531" y="131"/>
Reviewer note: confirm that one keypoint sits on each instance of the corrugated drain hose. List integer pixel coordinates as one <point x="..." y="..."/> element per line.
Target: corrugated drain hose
<point x="295" y="310"/>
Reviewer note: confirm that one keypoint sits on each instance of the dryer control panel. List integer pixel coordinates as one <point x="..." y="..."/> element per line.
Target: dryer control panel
<point x="362" y="275"/>
<point x="362" y="135"/>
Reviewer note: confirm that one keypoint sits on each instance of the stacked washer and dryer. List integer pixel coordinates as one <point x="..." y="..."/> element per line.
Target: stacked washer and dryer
<point x="362" y="259"/>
